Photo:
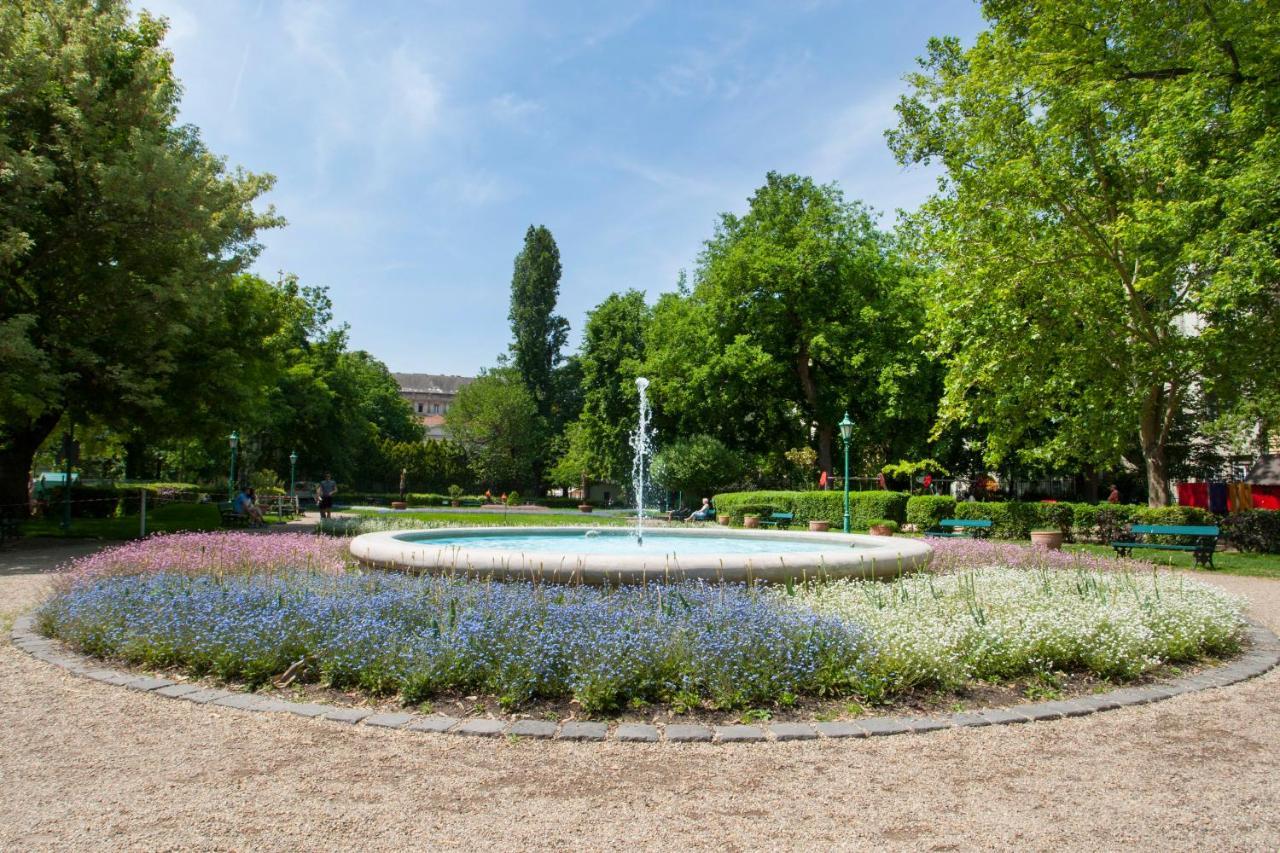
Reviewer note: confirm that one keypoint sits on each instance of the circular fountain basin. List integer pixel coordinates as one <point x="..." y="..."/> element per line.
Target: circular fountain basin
<point x="599" y="555"/>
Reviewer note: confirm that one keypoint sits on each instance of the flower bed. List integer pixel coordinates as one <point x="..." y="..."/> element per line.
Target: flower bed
<point x="939" y="632"/>
<point x="245" y="607"/>
<point x="685" y="644"/>
<point x="229" y="552"/>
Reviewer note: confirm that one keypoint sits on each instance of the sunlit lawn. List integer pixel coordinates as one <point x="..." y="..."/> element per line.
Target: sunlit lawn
<point x="1224" y="562"/>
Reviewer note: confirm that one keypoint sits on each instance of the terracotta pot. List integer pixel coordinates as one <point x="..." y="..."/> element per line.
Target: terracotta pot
<point x="722" y="520"/>
<point x="751" y="521"/>
<point x="880" y="530"/>
<point x="455" y="503"/>
<point x="1050" y="539"/>
<point x="399" y="505"/>
<point x="819" y="526"/>
<point x="585" y="507"/>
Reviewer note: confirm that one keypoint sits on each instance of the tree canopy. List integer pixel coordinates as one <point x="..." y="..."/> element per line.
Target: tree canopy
<point x="1102" y="252"/>
<point x="118" y="229"/>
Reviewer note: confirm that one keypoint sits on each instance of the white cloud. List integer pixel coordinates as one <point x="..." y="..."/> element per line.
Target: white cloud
<point x="854" y="132"/>
<point x="416" y="95"/>
<point x="513" y="109"/>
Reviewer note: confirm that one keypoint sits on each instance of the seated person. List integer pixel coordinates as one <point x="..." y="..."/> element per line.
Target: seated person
<point x="244" y="505"/>
<point x="706" y="513"/>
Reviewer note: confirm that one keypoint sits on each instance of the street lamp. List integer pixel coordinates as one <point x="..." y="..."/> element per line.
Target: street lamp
<point x="293" y="465"/>
<point x="846" y="432"/>
<point x="234" y="440"/>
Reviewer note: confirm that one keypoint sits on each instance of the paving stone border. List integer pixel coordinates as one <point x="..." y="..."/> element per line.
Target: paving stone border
<point x="1262" y="654"/>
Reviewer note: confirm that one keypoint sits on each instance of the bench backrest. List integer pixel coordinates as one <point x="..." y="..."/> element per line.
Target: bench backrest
<point x="783" y="516"/>
<point x="964" y="522"/>
<point x="1175" y="529"/>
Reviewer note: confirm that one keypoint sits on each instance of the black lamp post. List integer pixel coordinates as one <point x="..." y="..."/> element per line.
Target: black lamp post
<point x="234" y="440"/>
<point x="846" y="433"/>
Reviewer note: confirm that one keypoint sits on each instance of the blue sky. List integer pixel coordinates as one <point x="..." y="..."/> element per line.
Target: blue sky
<point x="415" y="142"/>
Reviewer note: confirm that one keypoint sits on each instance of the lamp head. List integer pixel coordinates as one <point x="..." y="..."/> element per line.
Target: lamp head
<point x="235" y="440"/>
<point x="846" y="427"/>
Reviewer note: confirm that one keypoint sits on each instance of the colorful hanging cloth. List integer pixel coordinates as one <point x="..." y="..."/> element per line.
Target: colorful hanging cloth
<point x="1194" y="494"/>
<point x="1239" y="497"/>
<point x="1218" y="498"/>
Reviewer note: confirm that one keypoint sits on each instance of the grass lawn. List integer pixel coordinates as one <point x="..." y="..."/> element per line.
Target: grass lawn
<point x="170" y="518"/>
<point x="500" y="519"/>
<point x="1225" y="562"/>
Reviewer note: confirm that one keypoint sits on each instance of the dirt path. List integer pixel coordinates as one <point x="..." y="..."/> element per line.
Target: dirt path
<point x="85" y="766"/>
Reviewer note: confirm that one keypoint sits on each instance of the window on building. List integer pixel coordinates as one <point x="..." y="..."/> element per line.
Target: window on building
<point x="419" y="408"/>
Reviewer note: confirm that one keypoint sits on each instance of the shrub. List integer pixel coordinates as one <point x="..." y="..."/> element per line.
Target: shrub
<point x="1057" y="516"/>
<point x="822" y="506"/>
<point x="1009" y="519"/>
<point x="1256" y="530"/>
<point x="1102" y="522"/>
<point x="884" y="522"/>
<point x="927" y="510"/>
<point x="86" y="502"/>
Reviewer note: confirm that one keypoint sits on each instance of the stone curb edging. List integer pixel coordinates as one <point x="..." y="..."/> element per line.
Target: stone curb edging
<point x="1262" y="655"/>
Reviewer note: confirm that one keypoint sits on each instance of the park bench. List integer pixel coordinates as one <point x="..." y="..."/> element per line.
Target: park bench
<point x="781" y="520"/>
<point x="1204" y="540"/>
<point x="679" y="514"/>
<point x="960" y="527"/>
<point x="230" y="518"/>
<point x="472" y="502"/>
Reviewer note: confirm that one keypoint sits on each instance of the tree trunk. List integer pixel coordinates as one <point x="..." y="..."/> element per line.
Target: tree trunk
<point x="804" y="372"/>
<point x="18" y="446"/>
<point x="1159" y="407"/>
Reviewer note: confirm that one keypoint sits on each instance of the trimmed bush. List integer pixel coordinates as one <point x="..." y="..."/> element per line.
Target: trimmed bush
<point x="821" y="506"/>
<point x="927" y="510"/>
<point x="1060" y="516"/>
<point x="1101" y="522"/>
<point x="1256" y="530"/>
<point x="1009" y="519"/>
<point x="86" y="502"/>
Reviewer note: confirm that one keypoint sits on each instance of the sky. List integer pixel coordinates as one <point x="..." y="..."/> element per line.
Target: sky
<point x="415" y="142"/>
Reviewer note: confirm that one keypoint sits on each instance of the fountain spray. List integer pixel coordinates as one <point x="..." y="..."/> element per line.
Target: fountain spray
<point x="642" y="444"/>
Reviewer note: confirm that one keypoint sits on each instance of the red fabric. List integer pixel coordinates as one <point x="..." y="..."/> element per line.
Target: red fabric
<point x="822" y="481"/>
<point x="928" y="480"/>
<point x="1266" y="497"/>
<point x="1194" y="494"/>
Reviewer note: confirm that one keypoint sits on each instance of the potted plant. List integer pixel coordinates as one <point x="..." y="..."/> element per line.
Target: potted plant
<point x="882" y="527"/>
<point x="819" y="525"/>
<point x="1047" y="537"/>
<point x="723" y="520"/>
<point x="750" y="520"/>
<point x="455" y="495"/>
<point x="399" y="505"/>
<point x="585" y="507"/>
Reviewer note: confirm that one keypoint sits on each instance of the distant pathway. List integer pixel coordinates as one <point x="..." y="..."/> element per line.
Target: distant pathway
<point x="81" y="769"/>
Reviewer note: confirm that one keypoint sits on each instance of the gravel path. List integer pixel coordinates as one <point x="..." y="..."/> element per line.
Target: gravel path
<point x="83" y="768"/>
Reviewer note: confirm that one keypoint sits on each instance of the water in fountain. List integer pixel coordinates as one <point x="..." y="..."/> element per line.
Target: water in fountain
<point x="642" y="444"/>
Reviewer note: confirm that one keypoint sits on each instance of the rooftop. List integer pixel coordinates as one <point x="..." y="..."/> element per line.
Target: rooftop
<point x="431" y="383"/>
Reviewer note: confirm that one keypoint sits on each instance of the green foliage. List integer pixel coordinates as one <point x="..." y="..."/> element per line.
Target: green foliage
<point x="696" y="466"/>
<point x="924" y="511"/>
<point x="889" y="524"/>
<point x="1009" y="519"/>
<point x="495" y="420"/>
<point x="1102" y="247"/>
<point x="538" y="333"/>
<point x="801" y="306"/>
<point x="1255" y="530"/>
<point x="808" y="506"/>
<point x="118" y="228"/>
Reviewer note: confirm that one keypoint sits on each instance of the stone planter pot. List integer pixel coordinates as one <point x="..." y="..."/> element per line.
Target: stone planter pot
<point x="1050" y="539"/>
<point x="751" y="521"/>
<point x="585" y="507"/>
<point x="722" y="520"/>
<point x="399" y="505"/>
<point x="880" y="530"/>
<point x="819" y="526"/>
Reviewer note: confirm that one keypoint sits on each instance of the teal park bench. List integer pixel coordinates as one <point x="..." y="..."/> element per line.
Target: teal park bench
<point x="781" y="520"/>
<point x="231" y="518"/>
<point x="1204" y="540"/>
<point x="960" y="527"/>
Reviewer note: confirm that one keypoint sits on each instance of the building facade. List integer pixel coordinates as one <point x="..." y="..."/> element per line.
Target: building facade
<point x="430" y="395"/>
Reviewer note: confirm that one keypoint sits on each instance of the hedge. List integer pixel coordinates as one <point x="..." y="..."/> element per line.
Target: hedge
<point x="927" y="510"/>
<point x="1256" y="530"/>
<point x="864" y="507"/>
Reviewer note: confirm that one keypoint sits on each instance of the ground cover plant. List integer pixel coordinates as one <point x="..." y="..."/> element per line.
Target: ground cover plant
<point x="246" y="607"/>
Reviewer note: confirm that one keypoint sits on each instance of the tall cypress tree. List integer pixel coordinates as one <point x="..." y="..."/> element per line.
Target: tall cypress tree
<point x="539" y="332"/>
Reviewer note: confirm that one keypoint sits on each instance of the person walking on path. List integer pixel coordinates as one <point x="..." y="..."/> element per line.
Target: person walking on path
<point x="1114" y="497"/>
<point x="327" y="489"/>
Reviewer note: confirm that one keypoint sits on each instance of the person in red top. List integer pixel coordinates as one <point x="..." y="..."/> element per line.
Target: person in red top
<point x="822" y="481"/>
<point x="1114" y="497"/>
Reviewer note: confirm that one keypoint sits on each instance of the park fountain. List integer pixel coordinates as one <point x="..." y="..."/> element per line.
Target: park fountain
<point x="617" y="555"/>
<point x="642" y="444"/>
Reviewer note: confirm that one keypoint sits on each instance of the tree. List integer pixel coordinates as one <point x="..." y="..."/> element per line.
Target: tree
<point x="1102" y="250"/>
<point x="801" y="309"/>
<point x="117" y="226"/>
<point x="495" y="419"/>
<point x="698" y="466"/>
<point x="611" y="358"/>
<point x="539" y="334"/>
